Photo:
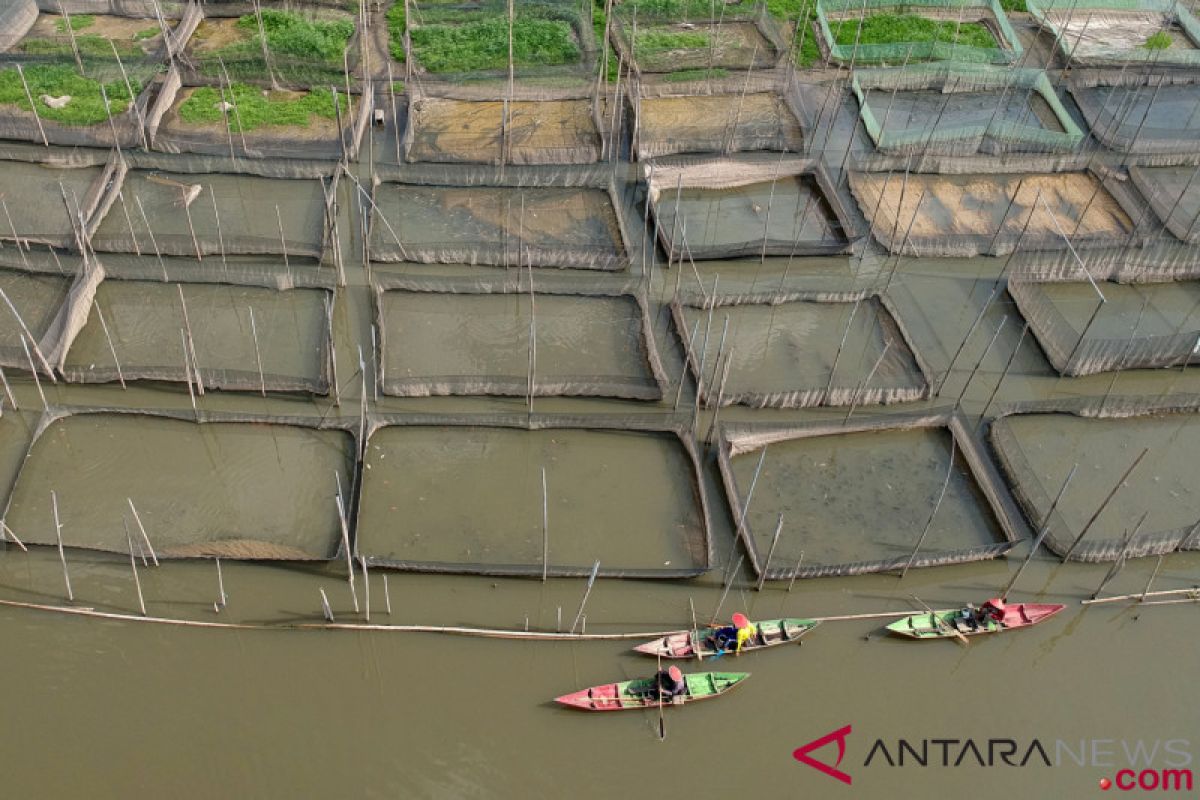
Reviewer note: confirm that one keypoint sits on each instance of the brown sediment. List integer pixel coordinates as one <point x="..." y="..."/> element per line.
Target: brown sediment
<point x="706" y="117"/>
<point x="471" y="131"/>
<point x="119" y="30"/>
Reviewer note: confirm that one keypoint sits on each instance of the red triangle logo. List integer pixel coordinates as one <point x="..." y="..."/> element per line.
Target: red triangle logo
<point x="801" y="754"/>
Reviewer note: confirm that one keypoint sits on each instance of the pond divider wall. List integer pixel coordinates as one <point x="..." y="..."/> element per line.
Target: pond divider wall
<point x="739" y="438"/>
<point x="1024" y="482"/>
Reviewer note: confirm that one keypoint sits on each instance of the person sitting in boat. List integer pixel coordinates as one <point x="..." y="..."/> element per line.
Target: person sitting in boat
<point x="669" y="684"/>
<point x="741" y="631"/>
<point x="992" y="610"/>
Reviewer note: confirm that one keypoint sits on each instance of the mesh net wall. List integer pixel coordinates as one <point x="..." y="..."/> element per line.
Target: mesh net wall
<point x="831" y="13"/>
<point x="724" y="208"/>
<point x="16" y="18"/>
<point x="1146" y="117"/>
<point x="198" y="488"/>
<point x="760" y="114"/>
<point x="1114" y="32"/>
<point x="830" y="471"/>
<point x="1174" y="195"/>
<point x="1136" y="326"/>
<point x="575" y="227"/>
<point x="467" y="338"/>
<point x="39" y="214"/>
<point x="597" y="471"/>
<point x="142" y="336"/>
<point x="1037" y="450"/>
<point x="967" y="215"/>
<point x="962" y="109"/>
<point x="791" y="353"/>
<point x="37" y="300"/>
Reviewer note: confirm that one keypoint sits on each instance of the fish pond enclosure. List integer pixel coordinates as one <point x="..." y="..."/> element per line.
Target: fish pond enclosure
<point x="563" y="321"/>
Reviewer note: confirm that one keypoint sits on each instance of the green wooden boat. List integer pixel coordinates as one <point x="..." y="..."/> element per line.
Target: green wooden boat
<point x="641" y="693"/>
<point x="995" y="616"/>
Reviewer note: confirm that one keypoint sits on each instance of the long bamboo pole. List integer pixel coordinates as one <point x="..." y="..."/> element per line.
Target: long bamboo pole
<point x="62" y="556"/>
<point x="1088" y="526"/>
<point x="941" y="496"/>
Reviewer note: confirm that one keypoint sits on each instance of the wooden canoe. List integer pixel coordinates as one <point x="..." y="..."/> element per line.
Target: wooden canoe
<point x="684" y="644"/>
<point x="640" y="693"/>
<point x="946" y="624"/>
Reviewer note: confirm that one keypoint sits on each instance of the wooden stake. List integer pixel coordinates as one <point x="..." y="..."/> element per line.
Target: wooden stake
<point x="587" y="592"/>
<point x="979" y="363"/>
<point x="762" y="575"/>
<point x="545" y="529"/>
<point x="137" y="582"/>
<point x="33" y="369"/>
<point x="1088" y="526"/>
<point x="387" y="595"/>
<point x="223" y="599"/>
<point x="796" y="572"/>
<point x="62" y="556"/>
<point x="936" y="506"/>
<point x="142" y="530"/>
<point x="362" y="561"/>
<point x="1041" y="534"/>
<point x="29" y="335"/>
<point x="111" y="347"/>
<point x="33" y="107"/>
<point x="325" y="609"/>
<point x="262" y="381"/>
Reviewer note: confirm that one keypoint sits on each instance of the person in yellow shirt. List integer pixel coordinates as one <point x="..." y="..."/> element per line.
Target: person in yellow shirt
<point x="741" y="631"/>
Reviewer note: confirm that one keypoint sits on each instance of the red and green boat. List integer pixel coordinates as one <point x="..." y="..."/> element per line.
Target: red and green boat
<point x="702" y="643"/>
<point x="641" y="693"/>
<point x="994" y="616"/>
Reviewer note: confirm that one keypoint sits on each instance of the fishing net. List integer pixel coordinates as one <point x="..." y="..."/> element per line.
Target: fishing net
<point x="197" y="489"/>
<point x="831" y="15"/>
<point x="1117" y="33"/>
<point x="16" y="18"/>
<point x="52" y="201"/>
<point x="626" y="492"/>
<point x="488" y="217"/>
<point x="1143" y="115"/>
<point x="1174" y="195"/>
<point x="759" y="113"/>
<point x="474" y="338"/>
<point x="800" y="350"/>
<point x="725" y="208"/>
<point x="962" y="109"/>
<point x="899" y="462"/>
<point x="37" y="300"/>
<point x="965" y="215"/>
<point x="1038" y="447"/>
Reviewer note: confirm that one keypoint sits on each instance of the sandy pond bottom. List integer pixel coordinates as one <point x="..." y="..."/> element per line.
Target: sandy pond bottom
<point x="862" y="496"/>
<point x="696" y="124"/>
<point x="479" y="344"/>
<point x="235" y="490"/>
<point x="543" y="132"/>
<point x="470" y="498"/>
<point x="145" y="318"/>
<point x="1043" y="448"/>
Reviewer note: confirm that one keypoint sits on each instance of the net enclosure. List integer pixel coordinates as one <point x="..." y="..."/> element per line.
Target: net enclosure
<point x="36" y="302"/>
<point x="502" y="338"/>
<point x="101" y="42"/>
<point x="962" y="109"/>
<point x="1038" y="450"/>
<point x="624" y="492"/>
<point x="761" y="112"/>
<point x="144" y="330"/>
<point x="525" y="129"/>
<point x="725" y="208"/>
<point x="1135" y="325"/>
<point x="157" y="212"/>
<point x="800" y="350"/>
<point x="855" y="31"/>
<point x="1145" y="115"/>
<point x="500" y="224"/>
<point x="964" y="215"/>
<point x="198" y="488"/>
<point x="1119" y="33"/>
<point x="1173" y="193"/>
<point x="665" y="39"/>
<point x="857" y="497"/>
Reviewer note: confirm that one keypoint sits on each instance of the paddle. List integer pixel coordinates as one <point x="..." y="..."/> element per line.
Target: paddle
<point x="940" y="622"/>
<point x="662" y="725"/>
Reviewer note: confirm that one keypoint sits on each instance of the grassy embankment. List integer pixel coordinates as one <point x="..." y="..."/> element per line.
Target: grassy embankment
<point x="303" y="50"/>
<point x="907" y="28"/>
<point x="90" y="45"/>
<point x="86" y="106"/>
<point x="259" y="109"/>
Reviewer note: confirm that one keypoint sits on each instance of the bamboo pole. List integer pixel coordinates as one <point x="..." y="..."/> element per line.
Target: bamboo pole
<point x="975" y="324"/>
<point x="4" y="529"/>
<point x="866" y="382"/>
<point x="150" y="231"/>
<point x="62" y="556"/>
<point x="362" y="561"/>
<point x="12" y="400"/>
<point x="762" y="575"/>
<point x="142" y="530"/>
<point x="728" y="583"/>
<point x="1157" y="566"/>
<point x="266" y="51"/>
<point x="838" y="356"/>
<point x="1088" y="526"/>
<point x="979" y="363"/>
<point x="1119" y="564"/>
<point x="137" y="582"/>
<point x="325" y="609"/>
<point x="1007" y="366"/>
<point x="191" y="343"/>
<point x="796" y="572"/>
<point x="16" y="236"/>
<point x="941" y="496"/>
<point x="187" y="370"/>
<point x="545" y="529"/>
<point x="33" y="107"/>
<point x="586" y="593"/>
<point x="36" y="381"/>
<point x="387" y="595"/>
<point x="223" y="599"/>
<point x="1041" y="534"/>
<point x="345" y="529"/>
<point x="111" y="347"/>
<point x="66" y="18"/>
<point x="28" y="335"/>
<point x="220" y="236"/>
<point x="262" y="381"/>
<point x="1193" y="592"/>
<point x="137" y="250"/>
<point x="282" y="240"/>
<point x="750" y="494"/>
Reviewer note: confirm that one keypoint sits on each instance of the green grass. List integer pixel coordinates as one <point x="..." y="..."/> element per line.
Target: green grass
<point x="697" y="74"/>
<point x="256" y="110"/>
<point x="397" y="23"/>
<point x="86" y="106"/>
<point x="599" y="24"/>
<point x="292" y="35"/>
<point x="89" y="47"/>
<point x="908" y="28"/>
<point x="1158" y="41"/>
<point x="1014" y="5"/>
<point x="649" y="42"/>
<point x="482" y="44"/>
<point x="685" y="9"/>
<point x="78" y="22"/>
<point x="146" y="33"/>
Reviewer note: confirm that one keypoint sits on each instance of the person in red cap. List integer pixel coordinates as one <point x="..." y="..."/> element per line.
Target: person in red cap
<point x="669" y="684"/>
<point x="741" y="631"/>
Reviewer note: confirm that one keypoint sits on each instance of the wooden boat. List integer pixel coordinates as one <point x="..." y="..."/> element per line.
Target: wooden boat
<point x="967" y="622"/>
<point x="640" y="693"/>
<point x="684" y="644"/>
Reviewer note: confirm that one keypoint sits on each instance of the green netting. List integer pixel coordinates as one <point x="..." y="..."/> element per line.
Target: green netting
<point x="927" y="50"/>
<point x="1098" y="32"/>
<point x="946" y="78"/>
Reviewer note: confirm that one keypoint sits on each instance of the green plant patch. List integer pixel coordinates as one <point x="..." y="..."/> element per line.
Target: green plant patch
<point x="906" y="28"/>
<point x="87" y="102"/>
<point x="687" y="9"/>
<point x="1158" y="41"/>
<point x="292" y="35"/>
<point x="599" y="27"/>
<point x="697" y="74"/>
<point x="482" y="44"/>
<point x="259" y="109"/>
<point x="146" y="33"/>
<point x="89" y="47"/>
<point x="78" y="23"/>
<point x="1014" y="5"/>
<point x="397" y="24"/>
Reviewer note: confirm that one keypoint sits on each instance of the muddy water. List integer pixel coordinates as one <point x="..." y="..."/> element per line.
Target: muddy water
<point x="1154" y="309"/>
<point x="1161" y="113"/>
<point x="34" y="199"/>
<point x="36" y="298"/>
